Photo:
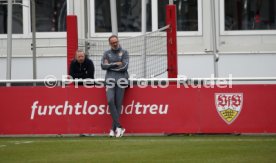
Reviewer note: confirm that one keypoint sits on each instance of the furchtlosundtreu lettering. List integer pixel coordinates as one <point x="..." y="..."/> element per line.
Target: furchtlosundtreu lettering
<point x="84" y="108"/>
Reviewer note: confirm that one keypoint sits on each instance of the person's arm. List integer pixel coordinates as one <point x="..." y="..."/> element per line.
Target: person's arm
<point x="105" y="64"/>
<point x="122" y="66"/>
<point x="90" y="70"/>
<point x="73" y="73"/>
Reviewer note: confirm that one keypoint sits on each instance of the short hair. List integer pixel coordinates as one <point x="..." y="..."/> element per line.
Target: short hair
<point x="79" y="51"/>
<point x="113" y="36"/>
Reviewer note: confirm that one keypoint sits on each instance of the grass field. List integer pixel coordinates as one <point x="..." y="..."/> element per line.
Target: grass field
<point x="140" y="149"/>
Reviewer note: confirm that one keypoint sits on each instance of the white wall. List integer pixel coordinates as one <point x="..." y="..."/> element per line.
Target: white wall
<point x="195" y="66"/>
<point x="242" y="65"/>
<point x="239" y="65"/>
<point x="22" y="68"/>
<point x="191" y="66"/>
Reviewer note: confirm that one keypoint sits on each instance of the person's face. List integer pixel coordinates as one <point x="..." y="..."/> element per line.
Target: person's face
<point x="80" y="57"/>
<point x="114" y="43"/>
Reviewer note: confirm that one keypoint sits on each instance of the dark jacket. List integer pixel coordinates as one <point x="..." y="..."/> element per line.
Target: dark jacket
<point x="85" y="70"/>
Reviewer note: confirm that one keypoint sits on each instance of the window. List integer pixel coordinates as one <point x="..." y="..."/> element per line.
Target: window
<point x="129" y="15"/>
<point x="17" y="19"/>
<point x="250" y="15"/>
<point x="51" y="15"/>
<point x="102" y="16"/>
<point x="187" y="14"/>
<point x="247" y="17"/>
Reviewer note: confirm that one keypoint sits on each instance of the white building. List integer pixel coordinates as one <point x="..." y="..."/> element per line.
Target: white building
<point x="242" y="31"/>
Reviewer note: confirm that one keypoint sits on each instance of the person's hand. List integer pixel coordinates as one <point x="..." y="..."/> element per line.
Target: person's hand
<point x="105" y="61"/>
<point x="119" y="63"/>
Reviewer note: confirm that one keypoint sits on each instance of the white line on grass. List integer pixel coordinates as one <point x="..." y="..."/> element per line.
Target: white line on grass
<point x="22" y="142"/>
<point x="2" y="146"/>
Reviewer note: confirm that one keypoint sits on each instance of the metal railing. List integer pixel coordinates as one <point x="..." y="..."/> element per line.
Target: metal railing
<point x="64" y="82"/>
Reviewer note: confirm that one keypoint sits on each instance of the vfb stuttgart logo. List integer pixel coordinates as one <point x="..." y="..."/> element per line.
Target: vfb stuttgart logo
<point x="229" y="106"/>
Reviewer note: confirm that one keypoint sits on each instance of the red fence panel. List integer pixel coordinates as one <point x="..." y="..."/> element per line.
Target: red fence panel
<point x="41" y="110"/>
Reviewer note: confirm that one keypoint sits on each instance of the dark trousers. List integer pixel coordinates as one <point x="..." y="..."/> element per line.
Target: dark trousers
<point x="115" y="96"/>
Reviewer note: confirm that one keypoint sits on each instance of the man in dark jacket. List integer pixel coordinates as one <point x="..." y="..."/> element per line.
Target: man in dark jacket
<point x="82" y="67"/>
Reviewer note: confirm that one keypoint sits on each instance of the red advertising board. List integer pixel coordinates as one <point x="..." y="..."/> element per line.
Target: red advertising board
<point x="41" y="110"/>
